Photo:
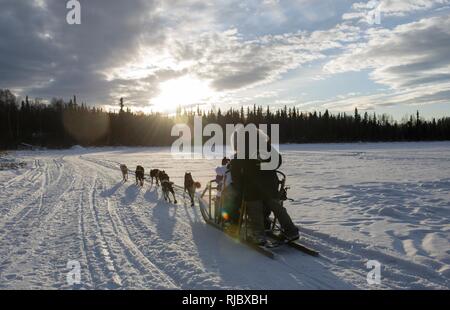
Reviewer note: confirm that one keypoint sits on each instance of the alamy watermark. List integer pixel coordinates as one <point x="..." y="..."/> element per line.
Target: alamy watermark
<point x="374" y="275"/>
<point x="242" y="141"/>
<point x="373" y="16"/>
<point x="73" y="16"/>
<point x="73" y="277"/>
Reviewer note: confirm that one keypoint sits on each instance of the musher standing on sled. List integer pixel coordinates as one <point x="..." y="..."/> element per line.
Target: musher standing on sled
<point x="260" y="193"/>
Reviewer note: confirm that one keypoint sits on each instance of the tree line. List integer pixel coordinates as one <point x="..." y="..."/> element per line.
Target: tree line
<point x="62" y="123"/>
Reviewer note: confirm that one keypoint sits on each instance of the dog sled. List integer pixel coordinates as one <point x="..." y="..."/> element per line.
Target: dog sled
<point x="212" y="210"/>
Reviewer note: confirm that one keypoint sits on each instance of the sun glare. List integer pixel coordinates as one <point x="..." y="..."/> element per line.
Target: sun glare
<point x="183" y="91"/>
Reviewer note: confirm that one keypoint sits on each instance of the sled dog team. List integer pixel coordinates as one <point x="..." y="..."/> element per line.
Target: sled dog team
<point x="238" y="181"/>
<point x="162" y="178"/>
<point x="244" y="188"/>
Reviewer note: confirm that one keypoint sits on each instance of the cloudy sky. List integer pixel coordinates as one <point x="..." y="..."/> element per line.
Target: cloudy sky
<point x="315" y="55"/>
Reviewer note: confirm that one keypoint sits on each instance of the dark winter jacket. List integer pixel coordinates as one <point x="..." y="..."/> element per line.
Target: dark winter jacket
<point x="269" y="182"/>
<point x="244" y="173"/>
<point x="254" y="183"/>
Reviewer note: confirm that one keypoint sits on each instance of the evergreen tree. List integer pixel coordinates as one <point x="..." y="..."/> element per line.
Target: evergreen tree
<point x="62" y="124"/>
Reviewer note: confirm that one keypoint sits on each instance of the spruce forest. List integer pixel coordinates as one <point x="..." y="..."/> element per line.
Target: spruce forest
<point x="62" y="124"/>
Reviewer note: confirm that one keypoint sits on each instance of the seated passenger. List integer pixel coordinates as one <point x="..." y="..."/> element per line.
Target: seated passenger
<point x="260" y="192"/>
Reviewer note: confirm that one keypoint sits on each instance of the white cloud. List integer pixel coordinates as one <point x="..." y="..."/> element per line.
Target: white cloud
<point x="403" y="7"/>
<point x="232" y="46"/>
<point x="227" y="61"/>
<point x="412" y="57"/>
<point x="360" y="10"/>
<point x="419" y="96"/>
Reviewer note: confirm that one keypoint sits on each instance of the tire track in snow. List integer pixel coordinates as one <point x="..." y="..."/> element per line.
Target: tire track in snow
<point x="36" y="195"/>
<point x="41" y="243"/>
<point x="177" y="264"/>
<point x="286" y="257"/>
<point x="135" y="220"/>
<point x="29" y="175"/>
<point x="101" y="247"/>
<point x="20" y="212"/>
<point x="128" y="251"/>
<point x="135" y="254"/>
<point x="24" y="213"/>
<point x="198" y="278"/>
<point x="29" y="237"/>
<point x="346" y="254"/>
<point x="156" y="244"/>
<point x="202" y="277"/>
<point x="288" y="260"/>
<point x="18" y="199"/>
<point x="117" y="257"/>
<point x="84" y="246"/>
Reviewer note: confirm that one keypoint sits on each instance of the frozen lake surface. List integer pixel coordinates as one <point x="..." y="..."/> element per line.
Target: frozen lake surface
<point x="388" y="202"/>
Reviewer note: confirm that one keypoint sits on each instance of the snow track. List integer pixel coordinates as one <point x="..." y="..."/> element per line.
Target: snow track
<point x="71" y="205"/>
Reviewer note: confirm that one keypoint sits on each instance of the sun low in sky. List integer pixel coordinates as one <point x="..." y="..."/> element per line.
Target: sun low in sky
<point x="185" y="91"/>
<point x="380" y="56"/>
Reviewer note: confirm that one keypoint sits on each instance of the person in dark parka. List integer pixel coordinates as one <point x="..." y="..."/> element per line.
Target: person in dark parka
<point x="261" y="193"/>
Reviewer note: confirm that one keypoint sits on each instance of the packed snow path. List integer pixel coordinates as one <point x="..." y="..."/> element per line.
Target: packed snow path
<point x="72" y="205"/>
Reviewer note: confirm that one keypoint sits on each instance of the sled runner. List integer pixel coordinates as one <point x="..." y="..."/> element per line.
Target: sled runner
<point x="214" y="213"/>
<point x="205" y="210"/>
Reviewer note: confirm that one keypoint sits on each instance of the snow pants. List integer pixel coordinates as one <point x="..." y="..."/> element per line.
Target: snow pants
<point x="255" y="212"/>
<point x="274" y="205"/>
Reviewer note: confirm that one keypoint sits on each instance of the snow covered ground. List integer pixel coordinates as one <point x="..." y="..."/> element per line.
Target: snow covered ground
<point x="388" y="202"/>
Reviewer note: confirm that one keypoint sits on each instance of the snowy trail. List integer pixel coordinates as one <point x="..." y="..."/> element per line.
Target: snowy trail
<point x="167" y="232"/>
<point x="71" y="205"/>
<point x="123" y="261"/>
